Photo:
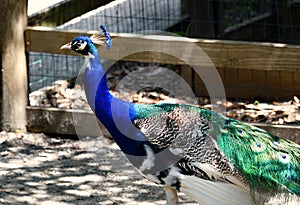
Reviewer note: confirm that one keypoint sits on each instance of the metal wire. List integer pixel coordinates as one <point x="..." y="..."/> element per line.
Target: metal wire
<point x="247" y="20"/>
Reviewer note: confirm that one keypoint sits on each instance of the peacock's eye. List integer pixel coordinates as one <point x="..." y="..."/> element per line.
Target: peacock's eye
<point x="258" y="147"/>
<point x="284" y="157"/>
<point x="78" y="45"/>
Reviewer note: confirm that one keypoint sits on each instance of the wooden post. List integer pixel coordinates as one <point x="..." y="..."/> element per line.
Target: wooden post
<point x="13" y="75"/>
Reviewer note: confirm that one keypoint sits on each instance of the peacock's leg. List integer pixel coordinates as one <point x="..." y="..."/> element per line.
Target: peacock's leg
<point x="171" y="193"/>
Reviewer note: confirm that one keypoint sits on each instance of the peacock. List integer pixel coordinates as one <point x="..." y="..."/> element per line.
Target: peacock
<point x="209" y="157"/>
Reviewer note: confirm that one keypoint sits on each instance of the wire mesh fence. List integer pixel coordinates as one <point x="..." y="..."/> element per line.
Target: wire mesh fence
<point x="274" y="21"/>
<point x="46" y="68"/>
<point x="118" y="16"/>
<point x="251" y="20"/>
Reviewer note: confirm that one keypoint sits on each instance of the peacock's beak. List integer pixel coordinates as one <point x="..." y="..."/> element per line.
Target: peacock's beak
<point x="66" y="46"/>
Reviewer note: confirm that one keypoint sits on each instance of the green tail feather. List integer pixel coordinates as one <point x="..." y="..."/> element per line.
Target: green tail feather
<point x="269" y="162"/>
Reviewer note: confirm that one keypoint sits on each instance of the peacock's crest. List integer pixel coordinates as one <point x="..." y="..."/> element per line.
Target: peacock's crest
<point x="102" y="39"/>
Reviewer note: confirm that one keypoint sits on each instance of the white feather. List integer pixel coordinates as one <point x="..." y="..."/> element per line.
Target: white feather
<point x="176" y="151"/>
<point x="214" y="174"/>
<point x="98" y="39"/>
<point x="172" y="176"/>
<point x="87" y="61"/>
<point x="148" y="163"/>
<point x="214" y="193"/>
<point x="209" y="170"/>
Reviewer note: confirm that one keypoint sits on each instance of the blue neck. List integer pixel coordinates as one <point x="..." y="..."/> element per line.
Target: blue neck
<point x="116" y="115"/>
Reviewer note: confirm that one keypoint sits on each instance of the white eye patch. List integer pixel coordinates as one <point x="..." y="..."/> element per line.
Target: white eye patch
<point x="79" y="45"/>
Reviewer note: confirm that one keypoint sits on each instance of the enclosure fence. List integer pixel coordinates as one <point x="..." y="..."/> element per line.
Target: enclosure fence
<point x="253" y="44"/>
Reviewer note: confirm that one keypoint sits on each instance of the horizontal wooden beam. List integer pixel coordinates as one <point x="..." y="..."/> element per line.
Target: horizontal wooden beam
<point x="224" y="54"/>
<point x="61" y="121"/>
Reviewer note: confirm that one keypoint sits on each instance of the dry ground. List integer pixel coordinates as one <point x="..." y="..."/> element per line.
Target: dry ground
<point x="39" y="169"/>
<point x="36" y="169"/>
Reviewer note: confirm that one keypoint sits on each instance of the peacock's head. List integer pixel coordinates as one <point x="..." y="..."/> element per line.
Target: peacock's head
<point x="80" y="44"/>
<point x="85" y="45"/>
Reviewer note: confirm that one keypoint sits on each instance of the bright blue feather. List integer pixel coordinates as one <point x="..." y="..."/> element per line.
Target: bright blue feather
<point x="108" y="108"/>
<point x="107" y="35"/>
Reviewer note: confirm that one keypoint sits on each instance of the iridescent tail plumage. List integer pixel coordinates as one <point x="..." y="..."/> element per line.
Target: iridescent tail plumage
<point x="269" y="162"/>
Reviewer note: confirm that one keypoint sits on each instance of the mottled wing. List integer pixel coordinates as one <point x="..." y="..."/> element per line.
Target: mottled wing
<point x="225" y="149"/>
<point x="186" y="133"/>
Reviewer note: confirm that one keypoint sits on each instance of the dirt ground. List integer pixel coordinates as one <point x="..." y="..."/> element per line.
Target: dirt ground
<point x="37" y="169"/>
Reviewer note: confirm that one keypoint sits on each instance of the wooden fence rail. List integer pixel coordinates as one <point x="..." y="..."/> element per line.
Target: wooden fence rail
<point x="264" y="70"/>
<point x="224" y="54"/>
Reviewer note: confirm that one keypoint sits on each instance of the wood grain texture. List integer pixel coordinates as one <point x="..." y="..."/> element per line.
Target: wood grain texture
<point x="64" y="121"/>
<point x="224" y="54"/>
<point x="13" y="65"/>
